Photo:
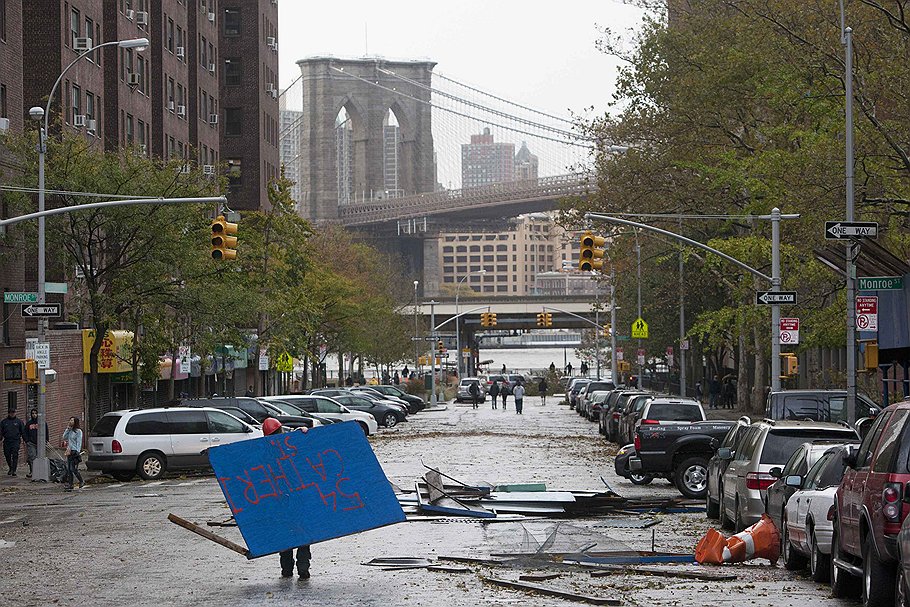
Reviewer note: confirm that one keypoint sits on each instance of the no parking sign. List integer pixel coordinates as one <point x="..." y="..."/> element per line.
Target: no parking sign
<point x="789" y="331"/>
<point x="867" y="313"/>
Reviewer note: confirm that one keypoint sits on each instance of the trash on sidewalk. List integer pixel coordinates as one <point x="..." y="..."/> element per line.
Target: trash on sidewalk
<point x="400" y="563"/>
<point x="550" y="591"/>
<point x="208" y="534"/>
<point x="605" y="570"/>
<point x="538" y="577"/>
<point x="761" y="540"/>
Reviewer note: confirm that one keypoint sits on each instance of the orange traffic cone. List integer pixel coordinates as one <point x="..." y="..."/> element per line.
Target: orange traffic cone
<point x="761" y="540"/>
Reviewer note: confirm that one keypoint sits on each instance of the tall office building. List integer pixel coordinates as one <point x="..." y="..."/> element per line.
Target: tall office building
<point x="290" y="128"/>
<point x="525" y="163"/>
<point x="248" y="37"/>
<point x="484" y="161"/>
<point x="391" y="151"/>
<point x="344" y="158"/>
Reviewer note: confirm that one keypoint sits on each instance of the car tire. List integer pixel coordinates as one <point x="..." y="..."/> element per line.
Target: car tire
<point x="819" y="565"/>
<point x="389" y="420"/>
<point x="640" y="479"/>
<point x="725" y="521"/>
<point x="691" y="477"/>
<point x="843" y="585"/>
<point x="365" y="428"/>
<point x="712" y="508"/>
<point x="738" y="523"/>
<point x="878" y="578"/>
<point x="151" y="466"/>
<point x="901" y="598"/>
<point x="793" y="560"/>
<point x="124" y="476"/>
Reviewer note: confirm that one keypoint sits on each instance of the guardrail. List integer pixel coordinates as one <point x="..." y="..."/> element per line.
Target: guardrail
<point x="448" y="201"/>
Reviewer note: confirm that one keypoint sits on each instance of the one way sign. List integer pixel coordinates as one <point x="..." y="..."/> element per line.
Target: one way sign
<point x="769" y="298"/>
<point x="42" y="310"/>
<point x="839" y="230"/>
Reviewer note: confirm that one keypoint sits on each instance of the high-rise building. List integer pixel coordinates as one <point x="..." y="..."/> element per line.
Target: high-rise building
<point x="483" y="161"/>
<point x="248" y="36"/>
<point x="290" y="128"/>
<point x="391" y="150"/>
<point x="525" y="163"/>
<point x="344" y="159"/>
<point x="201" y="52"/>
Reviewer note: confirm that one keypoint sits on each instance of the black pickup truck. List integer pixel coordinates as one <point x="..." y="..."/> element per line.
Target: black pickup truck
<point x="679" y="452"/>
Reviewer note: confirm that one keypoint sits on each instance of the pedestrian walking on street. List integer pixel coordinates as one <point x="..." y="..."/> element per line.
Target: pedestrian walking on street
<point x="729" y="393"/>
<point x="519" y="393"/>
<point x="249" y="392"/>
<point x="714" y="392"/>
<point x="504" y="390"/>
<point x="542" y="388"/>
<point x="698" y="391"/>
<point x="503" y="368"/>
<point x="494" y="392"/>
<point x="12" y="431"/>
<point x="31" y="440"/>
<point x="569" y="369"/>
<point x="396" y="379"/>
<point x="584" y="368"/>
<point x="72" y="441"/>
<point x="552" y="367"/>
<point x="474" y="389"/>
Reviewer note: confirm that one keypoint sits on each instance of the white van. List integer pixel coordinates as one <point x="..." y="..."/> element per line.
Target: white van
<point x="149" y="442"/>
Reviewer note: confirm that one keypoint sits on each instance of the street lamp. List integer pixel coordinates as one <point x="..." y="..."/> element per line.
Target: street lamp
<point x="457" y="332"/>
<point x="416" y="342"/>
<point x="40" y="469"/>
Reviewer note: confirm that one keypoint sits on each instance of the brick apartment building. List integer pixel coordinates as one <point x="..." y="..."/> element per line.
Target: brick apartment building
<point x="165" y="100"/>
<point x="248" y="37"/>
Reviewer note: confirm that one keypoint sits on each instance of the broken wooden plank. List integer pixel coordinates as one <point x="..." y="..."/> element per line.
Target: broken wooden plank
<point x="208" y="534"/>
<point x="448" y="569"/>
<point x="434" y="485"/>
<point x="539" y="577"/>
<point x="605" y="570"/>
<point x="473" y="560"/>
<point x="548" y="591"/>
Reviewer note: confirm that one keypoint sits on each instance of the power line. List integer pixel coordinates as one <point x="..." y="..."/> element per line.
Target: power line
<point x="26" y="190"/>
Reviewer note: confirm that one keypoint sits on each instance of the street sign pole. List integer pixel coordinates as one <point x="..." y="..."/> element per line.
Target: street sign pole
<point x="775" y="308"/>
<point x="851" y="268"/>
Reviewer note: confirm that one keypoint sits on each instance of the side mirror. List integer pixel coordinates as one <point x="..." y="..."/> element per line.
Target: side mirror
<point x="776" y="472"/>
<point x="714" y="443"/>
<point x="907" y="493"/>
<point x="794" y="480"/>
<point x="725" y="453"/>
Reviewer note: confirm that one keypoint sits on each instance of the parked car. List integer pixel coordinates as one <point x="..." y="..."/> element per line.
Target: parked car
<point x="806" y="532"/>
<point x="630" y="414"/>
<point x="385" y="415"/>
<point x="338" y="393"/>
<point x="415" y="403"/>
<point x="593" y="386"/>
<point x="768" y="444"/>
<point x="572" y="395"/>
<point x="373" y="392"/>
<point x="463" y="393"/>
<point x="251" y="406"/>
<point x="327" y="407"/>
<point x="679" y="452"/>
<point x="289" y="417"/>
<point x="149" y="442"/>
<point x="611" y="423"/>
<point x="780" y="491"/>
<point x="717" y="466"/>
<point x="902" y="583"/>
<point x="870" y="507"/>
<point x="609" y="407"/>
<point x="596" y="403"/>
<point x="816" y="405"/>
<point x="295" y="410"/>
<point x="621" y="466"/>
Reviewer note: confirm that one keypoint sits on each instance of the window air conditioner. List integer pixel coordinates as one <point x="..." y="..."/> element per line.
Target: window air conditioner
<point x="211" y="68"/>
<point x="181" y="110"/>
<point x="270" y="41"/>
<point x="82" y="44"/>
<point x="171" y="106"/>
<point x="133" y="80"/>
<point x="92" y="125"/>
<point x="212" y="17"/>
<point x="4" y="125"/>
<point x="181" y="52"/>
<point x="208" y="169"/>
<point x="213" y="118"/>
<point x="130" y="14"/>
<point x="142" y="18"/>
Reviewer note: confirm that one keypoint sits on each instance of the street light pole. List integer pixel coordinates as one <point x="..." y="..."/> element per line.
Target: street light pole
<point x="41" y="466"/>
<point x="682" y="321"/>
<point x="433" y="400"/>
<point x="457" y="330"/>
<point x="638" y="272"/>
<point x="775" y="309"/>
<point x="416" y="342"/>
<point x="851" y="267"/>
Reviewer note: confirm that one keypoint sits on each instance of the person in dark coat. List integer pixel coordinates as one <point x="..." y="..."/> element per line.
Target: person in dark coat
<point x="569" y="369"/>
<point x="542" y="388"/>
<point x="12" y="431"/>
<point x="714" y="392"/>
<point x="396" y="379"/>
<point x="31" y="439"/>
<point x="474" y="389"/>
<point x="504" y="390"/>
<point x="494" y="392"/>
<point x="729" y="393"/>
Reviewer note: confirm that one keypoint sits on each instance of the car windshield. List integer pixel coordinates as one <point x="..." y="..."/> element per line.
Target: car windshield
<point x="290" y="408"/>
<point x="675" y="412"/>
<point x="781" y="444"/>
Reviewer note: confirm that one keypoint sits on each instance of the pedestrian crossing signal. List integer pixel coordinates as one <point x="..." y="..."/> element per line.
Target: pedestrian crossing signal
<point x="789" y="366"/>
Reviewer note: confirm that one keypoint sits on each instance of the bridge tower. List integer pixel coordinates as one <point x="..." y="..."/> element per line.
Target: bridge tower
<point x="360" y="144"/>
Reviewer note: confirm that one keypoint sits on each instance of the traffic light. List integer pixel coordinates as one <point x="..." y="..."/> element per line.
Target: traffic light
<point x="541" y="320"/>
<point x="440" y="346"/>
<point x="591" y="252"/>
<point x="548" y="319"/>
<point x="223" y="240"/>
<point x="789" y="365"/>
<point x="484" y="319"/>
<point x="491" y="318"/>
<point x="606" y="330"/>
<point x="870" y="354"/>
<point x="20" y="371"/>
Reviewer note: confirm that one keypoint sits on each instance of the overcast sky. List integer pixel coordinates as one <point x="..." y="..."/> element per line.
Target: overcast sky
<point x="540" y="54"/>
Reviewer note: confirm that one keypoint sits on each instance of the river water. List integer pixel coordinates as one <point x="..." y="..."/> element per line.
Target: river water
<point x="530" y="359"/>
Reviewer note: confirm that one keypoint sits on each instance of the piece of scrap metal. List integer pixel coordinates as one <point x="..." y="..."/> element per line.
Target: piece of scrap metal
<point x="549" y="591"/>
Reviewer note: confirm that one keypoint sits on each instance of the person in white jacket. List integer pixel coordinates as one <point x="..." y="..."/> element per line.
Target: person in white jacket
<point x="519" y="393"/>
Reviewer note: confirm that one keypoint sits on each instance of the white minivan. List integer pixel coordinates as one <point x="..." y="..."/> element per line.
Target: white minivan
<point x="149" y="442"/>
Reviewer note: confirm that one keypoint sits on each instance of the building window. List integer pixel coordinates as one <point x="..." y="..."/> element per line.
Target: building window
<point x="234" y="173"/>
<point x="89" y="107"/>
<point x="233" y="71"/>
<point x="233" y="121"/>
<point x="75" y="23"/>
<point x="77" y="101"/>
<point x="130" y="135"/>
<point x="3" y="99"/>
<point x="140" y="126"/>
<point x="90" y="33"/>
<point x="232" y="22"/>
<point x="3" y="38"/>
<point x="140" y="68"/>
<point x="169" y="35"/>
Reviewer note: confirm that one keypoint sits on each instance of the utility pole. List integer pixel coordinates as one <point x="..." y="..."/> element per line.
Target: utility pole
<point x="682" y="321"/>
<point x="638" y="271"/>
<point x="851" y="267"/>
<point x="775" y="309"/>
<point x="433" y="400"/>
<point x="615" y="370"/>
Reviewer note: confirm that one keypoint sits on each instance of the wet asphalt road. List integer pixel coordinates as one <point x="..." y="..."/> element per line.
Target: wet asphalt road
<point x="111" y="543"/>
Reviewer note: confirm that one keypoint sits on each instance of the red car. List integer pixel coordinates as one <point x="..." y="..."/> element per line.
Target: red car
<point x="869" y="509"/>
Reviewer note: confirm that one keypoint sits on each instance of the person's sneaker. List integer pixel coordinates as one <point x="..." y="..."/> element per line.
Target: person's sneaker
<point x="81" y="484"/>
<point x="287" y="574"/>
<point x="12" y="474"/>
<point x="305" y="575"/>
<point x="29" y="475"/>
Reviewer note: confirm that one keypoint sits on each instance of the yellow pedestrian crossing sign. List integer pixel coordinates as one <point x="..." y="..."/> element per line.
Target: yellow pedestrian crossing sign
<point x="639" y="329"/>
<point x="284" y="362"/>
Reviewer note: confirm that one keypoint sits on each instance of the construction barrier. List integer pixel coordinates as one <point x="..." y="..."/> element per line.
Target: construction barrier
<point x="761" y="540"/>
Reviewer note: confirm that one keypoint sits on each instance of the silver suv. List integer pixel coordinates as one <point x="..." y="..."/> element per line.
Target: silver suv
<point x="765" y="445"/>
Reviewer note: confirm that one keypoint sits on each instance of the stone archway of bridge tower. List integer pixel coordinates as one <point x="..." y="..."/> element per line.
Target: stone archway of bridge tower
<point x="407" y="183"/>
<point x="350" y="150"/>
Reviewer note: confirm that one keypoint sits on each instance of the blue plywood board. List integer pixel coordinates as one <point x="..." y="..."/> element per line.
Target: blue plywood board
<point x="299" y="488"/>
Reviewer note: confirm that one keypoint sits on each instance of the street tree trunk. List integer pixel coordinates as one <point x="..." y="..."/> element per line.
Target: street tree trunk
<point x="761" y="373"/>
